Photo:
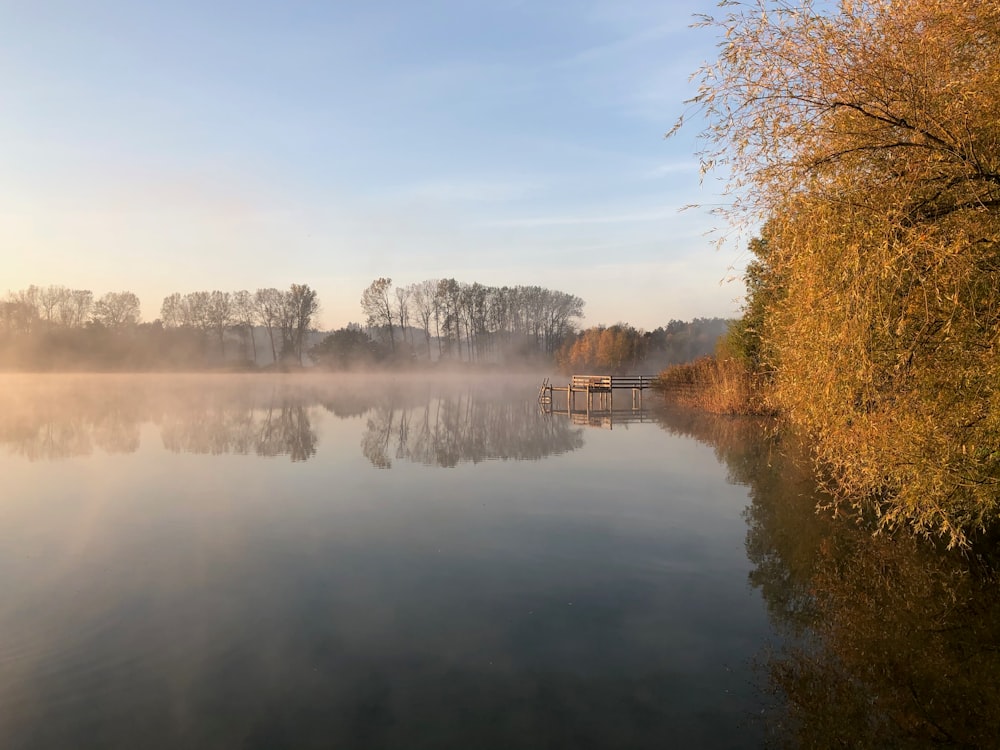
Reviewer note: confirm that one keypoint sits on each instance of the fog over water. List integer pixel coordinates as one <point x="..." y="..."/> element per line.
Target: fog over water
<point x="443" y="420"/>
<point x="258" y="561"/>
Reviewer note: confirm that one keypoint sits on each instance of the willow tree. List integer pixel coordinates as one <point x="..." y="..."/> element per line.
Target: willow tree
<point x="867" y="135"/>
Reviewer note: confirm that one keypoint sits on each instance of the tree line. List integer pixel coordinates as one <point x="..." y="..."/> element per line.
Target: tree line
<point x="621" y="348"/>
<point x="29" y="310"/>
<point x="435" y="320"/>
<point x="56" y="327"/>
<point x="472" y="322"/>
<point x="285" y="316"/>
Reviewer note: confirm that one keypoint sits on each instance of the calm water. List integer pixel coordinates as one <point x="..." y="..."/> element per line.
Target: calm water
<point x="319" y="562"/>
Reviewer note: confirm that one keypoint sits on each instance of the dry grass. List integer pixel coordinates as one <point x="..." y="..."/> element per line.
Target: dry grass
<point x="720" y="386"/>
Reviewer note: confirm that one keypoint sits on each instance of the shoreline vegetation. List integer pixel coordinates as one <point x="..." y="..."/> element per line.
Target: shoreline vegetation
<point x="861" y="142"/>
<point x="716" y="385"/>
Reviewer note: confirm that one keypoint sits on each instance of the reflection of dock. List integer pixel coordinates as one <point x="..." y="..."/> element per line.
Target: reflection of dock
<point x="604" y="418"/>
<point x="598" y="392"/>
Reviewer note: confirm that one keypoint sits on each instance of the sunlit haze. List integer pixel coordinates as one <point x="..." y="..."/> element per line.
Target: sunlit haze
<point x="172" y="147"/>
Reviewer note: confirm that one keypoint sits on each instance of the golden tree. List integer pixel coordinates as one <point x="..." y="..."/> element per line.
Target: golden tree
<point x="867" y="134"/>
<point x="616" y="349"/>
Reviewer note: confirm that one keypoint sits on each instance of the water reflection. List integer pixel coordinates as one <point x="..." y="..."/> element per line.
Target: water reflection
<point x="39" y="422"/>
<point x="890" y="643"/>
<point x="160" y="600"/>
<point x="441" y="424"/>
<point x="178" y="596"/>
<point x="460" y="427"/>
<point x="281" y="427"/>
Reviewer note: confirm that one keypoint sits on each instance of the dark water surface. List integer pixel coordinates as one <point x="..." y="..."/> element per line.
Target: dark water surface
<point x="349" y="563"/>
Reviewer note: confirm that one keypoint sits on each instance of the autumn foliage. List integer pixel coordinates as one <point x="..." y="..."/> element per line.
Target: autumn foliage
<point x="867" y="136"/>
<point x="613" y="350"/>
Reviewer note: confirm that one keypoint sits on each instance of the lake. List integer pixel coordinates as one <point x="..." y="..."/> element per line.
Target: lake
<point x="389" y="562"/>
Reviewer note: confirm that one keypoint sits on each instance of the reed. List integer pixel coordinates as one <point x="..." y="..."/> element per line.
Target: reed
<point x="717" y="385"/>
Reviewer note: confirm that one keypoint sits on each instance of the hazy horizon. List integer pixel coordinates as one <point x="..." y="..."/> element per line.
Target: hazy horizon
<point x="163" y="149"/>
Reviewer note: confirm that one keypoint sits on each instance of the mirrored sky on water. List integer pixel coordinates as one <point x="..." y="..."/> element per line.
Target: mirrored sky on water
<point x="503" y="595"/>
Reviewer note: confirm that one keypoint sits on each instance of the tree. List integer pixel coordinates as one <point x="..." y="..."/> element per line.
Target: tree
<point x="117" y="310"/>
<point x="195" y="311"/>
<point x="448" y="300"/>
<point x="75" y="307"/>
<point x="617" y="349"/>
<point x="50" y="299"/>
<point x="269" y="303"/>
<point x="869" y="139"/>
<point x="172" y="311"/>
<point x="747" y="337"/>
<point x="377" y="307"/>
<point x="245" y="315"/>
<point x="303" y="303"/>
<point x="559" y="310"/>
<point x="21" y="310"/>
<point x="422" y="295"/>
<point x="219" y="316"/>
<point x="403" y="311"/>
<point x="345" y="348"/>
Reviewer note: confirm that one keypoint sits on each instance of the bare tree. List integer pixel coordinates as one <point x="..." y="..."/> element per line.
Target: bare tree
<point x="301" y="304"/>
<point x="195" y="310"/>
<point x="117" y="310"/>
<point x="245" y="315"/>
<point x="22" y="311"/>
<point x="75" y="307"/>
<point x="376" y="305"/>
<point x="219" y="316"/>
<point x="269" y="303"/>
<point x="447" y="298"/>
<point x="403" y="311"/>
<point x="172" y="311"/>
<point x="422" y="295"/>
<point x="50" y="299"/>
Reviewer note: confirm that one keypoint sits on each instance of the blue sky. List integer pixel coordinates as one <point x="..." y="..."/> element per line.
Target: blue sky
<point x="179" y="146"/>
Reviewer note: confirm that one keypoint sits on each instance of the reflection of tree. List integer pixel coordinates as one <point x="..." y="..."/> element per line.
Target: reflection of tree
<point x="293" y="425"/>
<point x="458" y="427"/>
<point x="62" y="417"/>
<point x="891" y="643"/>
<point x="405" y="419"/>
<point x="43" y="421"/>
<point x="272" y="428"/>
<point x="44" y="439"/>
<point x="375" y="441"/>
<point x="905" y="649"/>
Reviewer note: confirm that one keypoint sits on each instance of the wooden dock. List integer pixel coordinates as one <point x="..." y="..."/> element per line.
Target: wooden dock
<point x="599" y="388"/>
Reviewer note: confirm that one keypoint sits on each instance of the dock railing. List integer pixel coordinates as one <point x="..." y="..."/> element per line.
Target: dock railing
<point x="603" y="386"/>
<point x="591" y="382"/>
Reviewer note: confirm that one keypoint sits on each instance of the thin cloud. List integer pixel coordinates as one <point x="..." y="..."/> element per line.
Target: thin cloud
<point x="598" y="52"/>
<point x="674" y="167"/>
<point x="551" y="221"/>
<point x="466" y="191"/>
